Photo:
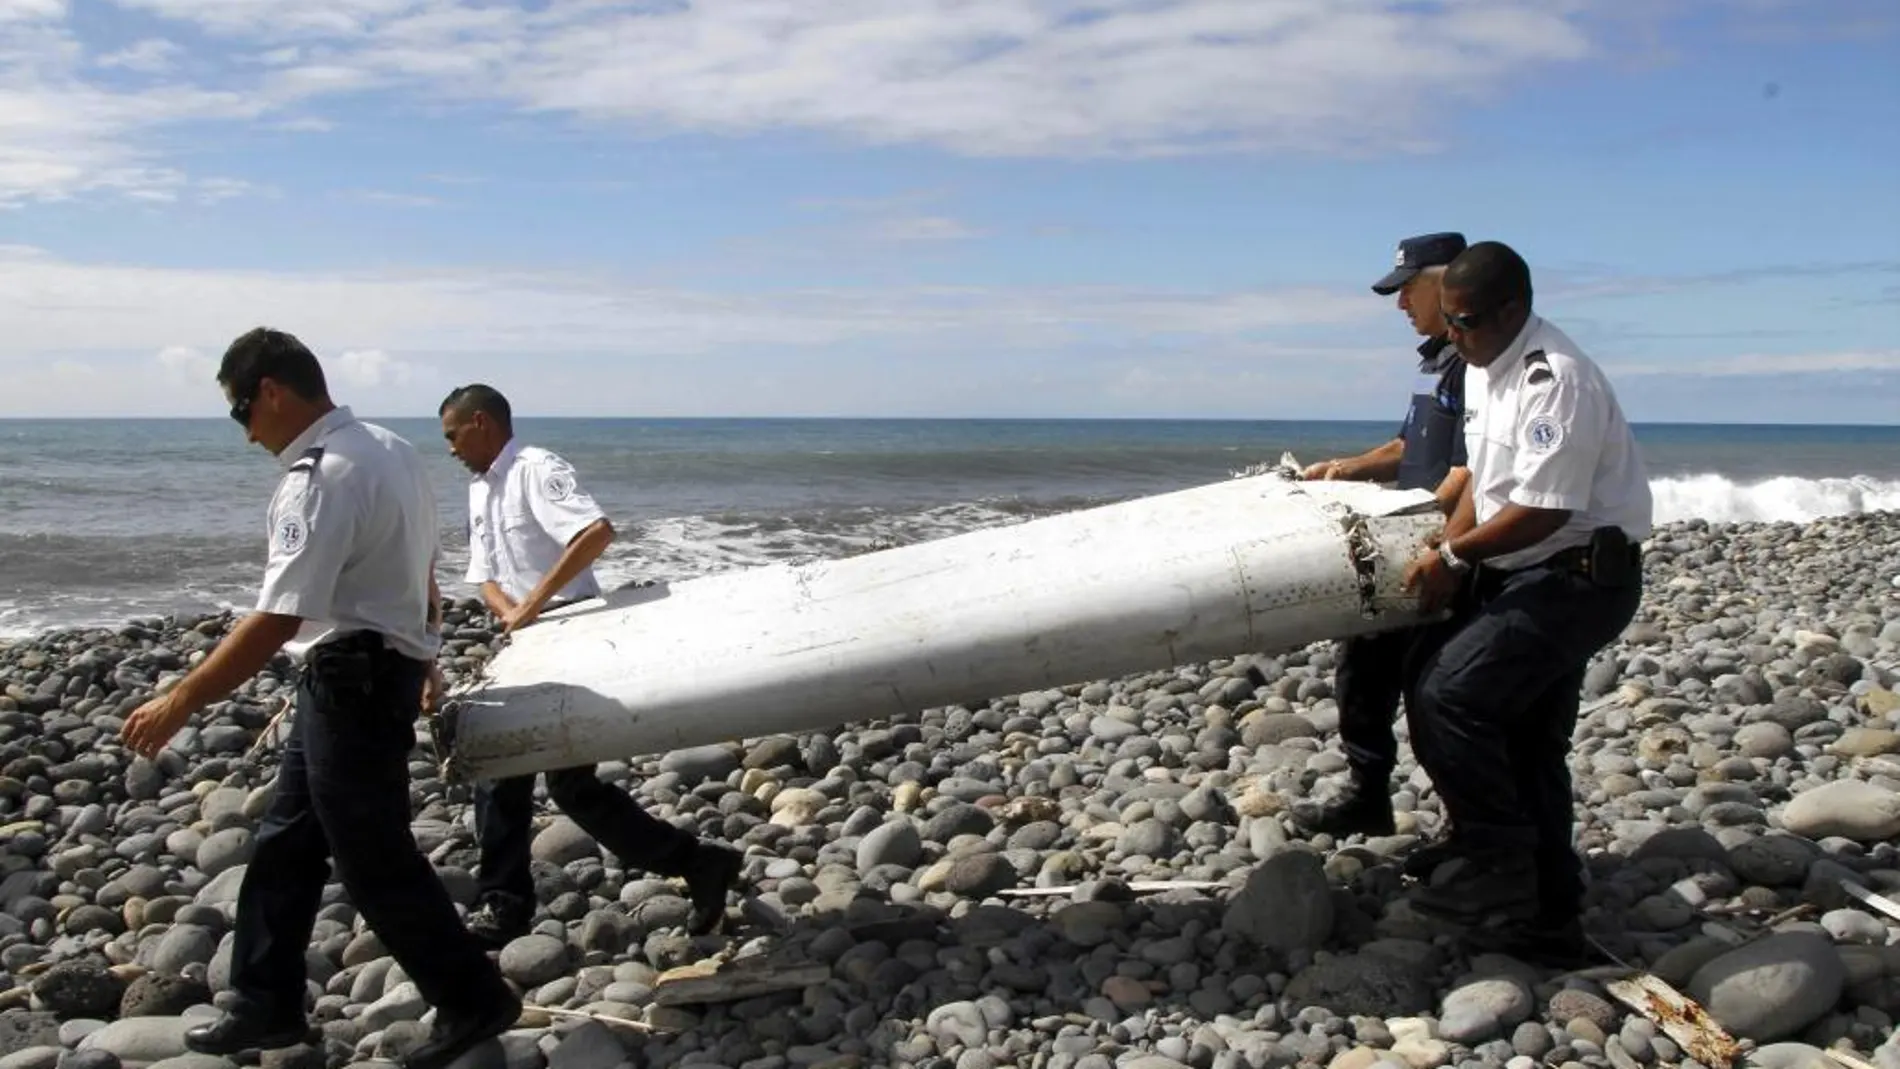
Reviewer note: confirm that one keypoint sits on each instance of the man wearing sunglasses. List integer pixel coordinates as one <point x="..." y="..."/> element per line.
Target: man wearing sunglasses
<point x="534" y="535"/>
<point x="1427" y="453"/>
<point x="1542" y="565"/>
<point x="349" y="585"/>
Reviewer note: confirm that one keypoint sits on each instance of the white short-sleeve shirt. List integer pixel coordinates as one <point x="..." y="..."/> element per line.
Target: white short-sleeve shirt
<point x="1543" y="429"/>
<point x="353" y="537"/>
<point x="522" y="513"/>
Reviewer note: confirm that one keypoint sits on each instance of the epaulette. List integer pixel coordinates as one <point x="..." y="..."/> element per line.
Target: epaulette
<point x="307" y="461"/>
<point x="1538" y="366"/>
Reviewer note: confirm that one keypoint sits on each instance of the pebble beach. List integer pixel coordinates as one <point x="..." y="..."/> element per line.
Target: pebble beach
<point x="972" y="888"/>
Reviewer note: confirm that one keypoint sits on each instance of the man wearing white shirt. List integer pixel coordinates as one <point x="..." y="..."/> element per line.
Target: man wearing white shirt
<point x="349" y="585"/>
<point x="1542" y="562"/>
<point x="534" y="535"/>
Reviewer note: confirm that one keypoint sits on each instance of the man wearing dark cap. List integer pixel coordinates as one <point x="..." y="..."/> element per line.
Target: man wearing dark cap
<point x="1428" y="453"/>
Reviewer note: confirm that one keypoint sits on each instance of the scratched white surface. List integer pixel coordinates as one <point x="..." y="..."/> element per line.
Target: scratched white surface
<point x="1258" y="564"/>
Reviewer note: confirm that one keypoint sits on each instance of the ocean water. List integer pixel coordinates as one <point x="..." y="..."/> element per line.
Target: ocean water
<point x="102" y="520"/>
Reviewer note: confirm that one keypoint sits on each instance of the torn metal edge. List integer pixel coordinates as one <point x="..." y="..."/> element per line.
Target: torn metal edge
<point x="1363" y="550"/>
<point x="442" y="731"/>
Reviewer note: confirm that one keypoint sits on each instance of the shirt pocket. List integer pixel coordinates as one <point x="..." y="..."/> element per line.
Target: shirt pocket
<point x="1491" y="432"/>
<point x="517" y="520"/>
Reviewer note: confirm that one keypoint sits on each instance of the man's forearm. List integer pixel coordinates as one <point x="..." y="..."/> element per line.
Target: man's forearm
<point x="1451" y="491"/>
<point x="435" y="602"/>
<point x="582" y="550"/>
<point x="242" y="654"/>
<point x="1379" y="465"/>
<point x="498" y="602"/>
<point x="1464" y="514"/>
<point x="1515" y="527"/>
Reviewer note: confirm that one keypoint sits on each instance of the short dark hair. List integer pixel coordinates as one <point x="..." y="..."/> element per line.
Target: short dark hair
<point x="263" y="353"/>
<point x="478" y="397"/>
<point x="1492" y="273"/>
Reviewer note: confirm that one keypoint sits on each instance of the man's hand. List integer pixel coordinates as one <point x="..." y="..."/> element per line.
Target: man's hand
<point x="433" y="688"/>
<point x="1326" y="469"/>
<point x="152" y="725"/>
<point x="519" y="617"/>
<point x="1433" y="579"/>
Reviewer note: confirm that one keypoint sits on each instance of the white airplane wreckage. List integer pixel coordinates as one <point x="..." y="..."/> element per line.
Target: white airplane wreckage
<point x="1257" y="564"/>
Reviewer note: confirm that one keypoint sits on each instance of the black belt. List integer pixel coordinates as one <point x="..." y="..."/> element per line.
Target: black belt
<point x="1575" y="559"/>
<point x="370" y="642"/>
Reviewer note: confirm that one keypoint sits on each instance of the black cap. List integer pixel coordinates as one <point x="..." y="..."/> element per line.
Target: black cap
<point x="1426" y="250"/>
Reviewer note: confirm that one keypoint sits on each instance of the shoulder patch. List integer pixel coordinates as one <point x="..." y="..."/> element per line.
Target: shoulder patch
<point x="1544" y="434"/>
<point x="558" y="485"/>
<point x="289" y="534"/>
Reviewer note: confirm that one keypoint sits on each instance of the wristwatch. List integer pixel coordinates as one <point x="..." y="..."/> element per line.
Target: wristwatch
<point x="1451" y="559"/>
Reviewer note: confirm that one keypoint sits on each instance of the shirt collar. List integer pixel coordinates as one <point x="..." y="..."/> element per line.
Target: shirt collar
<point x="1515" y="351"/>
<point x="325" y="423"/>
<point x="503" y="461"/>
<point x="1436" y="354"/>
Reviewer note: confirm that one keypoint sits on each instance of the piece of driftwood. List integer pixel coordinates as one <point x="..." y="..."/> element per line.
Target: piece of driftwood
<point x="713" y="981"/>
<point x="268" y="735"/>
<point x="1598" y="972"/>
<point x="1680" y="1017"/>
<point x="1878" y="901"/>
<point x="603" y="1018"/>
<point x="1139" y="887"/>
<point x="1718" y="930"/>
<point x="1846" y="1059"/>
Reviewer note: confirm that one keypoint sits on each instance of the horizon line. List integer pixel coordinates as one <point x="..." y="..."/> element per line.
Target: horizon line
<point x="941" y="419"/>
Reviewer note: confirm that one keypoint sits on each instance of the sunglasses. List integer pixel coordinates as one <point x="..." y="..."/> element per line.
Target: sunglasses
<point x="1468" y="320"/>
<point x="1465" y="319"/>
<point x="241" y="411"/>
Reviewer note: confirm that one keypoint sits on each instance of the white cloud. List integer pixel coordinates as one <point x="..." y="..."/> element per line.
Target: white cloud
<point x="154" y="55"/>
<point x="395" y="200"/>
<point x="1063" y="78"/>
<point x="978" y="77"/>
<point x="31" y="10"/>
<point x="406" y="333"/>
<point x="186" y="364"/>
<point x="53" y="305"/>
<point x="372" y="368"/>
<point x="1755" y="365"/>
<point x="922" y="228"/>
<point x="115" y="340"/>
<point x="62" y="135"/>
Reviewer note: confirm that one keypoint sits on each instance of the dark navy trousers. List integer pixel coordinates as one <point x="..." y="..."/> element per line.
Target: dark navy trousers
<point x="1366" y="685"/>
<point x="342" y="799"/>
<point x="504" y="814"/>
<point x="1493" y="704"/>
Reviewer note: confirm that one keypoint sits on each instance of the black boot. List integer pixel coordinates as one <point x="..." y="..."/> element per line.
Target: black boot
<point x="710" y="875"/>
<point x="1422" y="862"/>
<point x="1550" y="944"/>
<point x="500" y="920"/>
<point x="1364" y="806"/>
<point x="455" y="1034"/>
<point x="234" y="1033"/>
<point x="1482" y="885"/>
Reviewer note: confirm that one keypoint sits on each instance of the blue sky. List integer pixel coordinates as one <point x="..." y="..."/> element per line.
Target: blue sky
<point x="940" y="207"/>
